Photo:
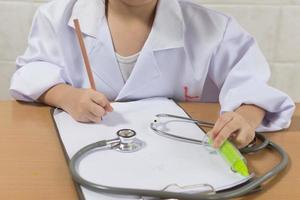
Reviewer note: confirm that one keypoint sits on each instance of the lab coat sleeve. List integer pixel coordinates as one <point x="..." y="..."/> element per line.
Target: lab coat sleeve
<point x="40" y="68"/>
<point x="241" y="73"/>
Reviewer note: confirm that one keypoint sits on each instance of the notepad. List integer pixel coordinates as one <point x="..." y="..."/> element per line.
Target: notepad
<point x="162" y="162"/>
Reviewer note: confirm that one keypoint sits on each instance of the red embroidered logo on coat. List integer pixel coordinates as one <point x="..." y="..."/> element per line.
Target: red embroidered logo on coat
<point x="187" y="97"/>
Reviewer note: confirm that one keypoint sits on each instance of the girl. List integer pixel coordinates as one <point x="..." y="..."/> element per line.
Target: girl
<point x="147" y="48"/>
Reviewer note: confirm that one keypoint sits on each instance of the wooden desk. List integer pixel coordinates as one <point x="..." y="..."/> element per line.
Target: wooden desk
<point x="32" y="163"/>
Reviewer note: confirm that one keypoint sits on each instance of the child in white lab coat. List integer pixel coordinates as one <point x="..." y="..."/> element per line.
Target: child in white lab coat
<point x="147" y="48"/>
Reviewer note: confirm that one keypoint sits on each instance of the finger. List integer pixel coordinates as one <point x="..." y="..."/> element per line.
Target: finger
<point x="225" y="132"/>
<point x="221" y="122"/>
<point x="97" y="110"/>
<point x="108" y="108"/>
<point x="94" y="119"/>
<point x="83" y="118"/>
<point x="244" y="138"/>
<point x="99" y="99"/>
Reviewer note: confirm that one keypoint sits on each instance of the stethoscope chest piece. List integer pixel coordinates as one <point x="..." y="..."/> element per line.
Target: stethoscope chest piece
<point x="128" y="141"/>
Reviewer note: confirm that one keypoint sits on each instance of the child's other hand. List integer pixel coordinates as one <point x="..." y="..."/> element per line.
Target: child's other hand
<point x="232" y="125"/>
<point x="86" y="105"/>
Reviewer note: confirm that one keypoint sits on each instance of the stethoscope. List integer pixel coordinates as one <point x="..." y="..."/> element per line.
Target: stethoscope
<point x="127" y="142"/>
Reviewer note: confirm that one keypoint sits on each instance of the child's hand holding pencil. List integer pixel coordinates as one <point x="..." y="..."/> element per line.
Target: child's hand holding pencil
<point x="84" y="105"/>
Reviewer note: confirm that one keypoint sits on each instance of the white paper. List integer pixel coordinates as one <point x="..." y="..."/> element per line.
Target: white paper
<point x="162" y="162"/>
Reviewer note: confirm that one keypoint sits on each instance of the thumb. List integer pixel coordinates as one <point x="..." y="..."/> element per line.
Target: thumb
<point x="108" y="108"/>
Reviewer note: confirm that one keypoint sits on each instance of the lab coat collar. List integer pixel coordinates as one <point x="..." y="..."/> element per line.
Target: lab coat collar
<point x="168" y="27"/>
<point x="89" y="13"/>
<point x="167" y="31"/>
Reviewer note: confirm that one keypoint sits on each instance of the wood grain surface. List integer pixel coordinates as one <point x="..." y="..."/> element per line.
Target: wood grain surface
<point x="33" y="166"/>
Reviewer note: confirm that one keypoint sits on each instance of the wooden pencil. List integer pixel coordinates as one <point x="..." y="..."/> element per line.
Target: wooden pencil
<point x="84" y="53"/>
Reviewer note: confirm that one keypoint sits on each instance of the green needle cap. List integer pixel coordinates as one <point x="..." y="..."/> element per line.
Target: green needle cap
<point x="234" y="158"/>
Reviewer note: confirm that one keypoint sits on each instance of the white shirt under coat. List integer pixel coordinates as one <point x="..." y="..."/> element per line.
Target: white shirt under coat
<point x="126" y="64"/>
<point x="189" y="46"/>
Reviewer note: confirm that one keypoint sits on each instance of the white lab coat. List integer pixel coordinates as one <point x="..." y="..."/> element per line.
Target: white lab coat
<point x="189" y="47"/>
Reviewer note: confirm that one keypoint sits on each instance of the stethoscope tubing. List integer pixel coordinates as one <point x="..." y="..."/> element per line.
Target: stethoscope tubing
<point x="249" y="187"/>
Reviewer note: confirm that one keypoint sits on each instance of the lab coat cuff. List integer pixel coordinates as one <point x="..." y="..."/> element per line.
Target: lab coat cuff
<point x="267" y="124"/>
<point x="279" y="109"/>
<point x="31" y="81"/>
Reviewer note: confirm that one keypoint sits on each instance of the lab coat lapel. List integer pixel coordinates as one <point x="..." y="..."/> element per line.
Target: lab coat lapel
<point x="89" y="13"/>
<point x="97" y="38"/>
<point x="145" y="71"/>
<point x="167" y="33"/>
<point x="103" y="60"/>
